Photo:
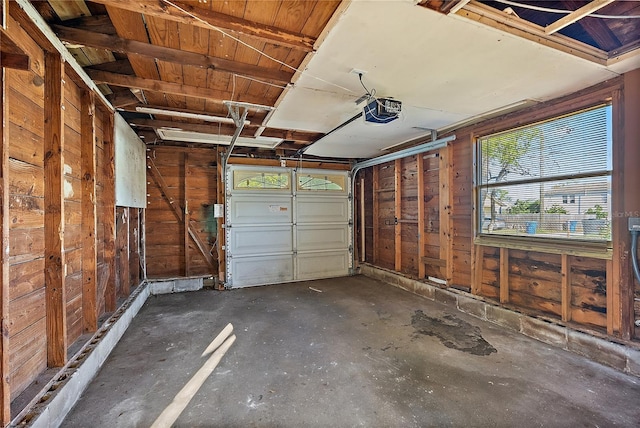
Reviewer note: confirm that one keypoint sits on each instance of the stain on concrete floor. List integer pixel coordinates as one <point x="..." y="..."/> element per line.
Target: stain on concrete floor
<point x="453" y="332"/>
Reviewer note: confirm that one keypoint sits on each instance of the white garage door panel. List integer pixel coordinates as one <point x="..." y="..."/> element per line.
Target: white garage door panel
<point x="256" y="240"/>
<point x="265" y="209"/>
<point x="323" y="265"/>
<point x="322" y="209"/>
<point x="271" y="269"/>
<point x="319" y="237"/>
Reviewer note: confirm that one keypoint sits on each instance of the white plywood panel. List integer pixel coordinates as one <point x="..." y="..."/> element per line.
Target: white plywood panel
<point x="322" y="264"/>
<point x="322" y="209"/>
<point x="322" y="237"/>
<point x="261" y="240"/>
<point x="269" y="269"/>
<point x="259" y="209"/>
<point x="130" y="166"/>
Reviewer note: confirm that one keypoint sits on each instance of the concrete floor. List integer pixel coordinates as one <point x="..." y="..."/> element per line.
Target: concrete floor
<point x="361" y="353"/>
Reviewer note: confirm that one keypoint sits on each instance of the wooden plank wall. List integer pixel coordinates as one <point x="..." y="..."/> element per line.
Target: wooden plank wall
<point x="571" y="286"/>
<point x="190" y="182"/>
<point x="56" y="172"/>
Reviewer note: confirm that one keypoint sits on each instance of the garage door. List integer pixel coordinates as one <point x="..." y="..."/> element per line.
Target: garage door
<point x="285" y="224"/>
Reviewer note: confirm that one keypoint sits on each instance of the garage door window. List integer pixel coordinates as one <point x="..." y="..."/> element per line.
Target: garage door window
<point x="257" y="180"/>
<point x="322" y="182"/>
<point x="548" y="180"/>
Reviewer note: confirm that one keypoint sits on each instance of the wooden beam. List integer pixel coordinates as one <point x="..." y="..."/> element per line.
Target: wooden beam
<point x="14" y="60"/>
<point x="205" y="18"/>
<point x="477" y="263"/>
<point x="611" y="313"/>
<point x="504" y="275"/>
<point x="397" y="184"/>
<point x="566" y="287"/>
<point x="451" y="7"/>
<point x="220" y="231"/>
<point x="109" y="214"/>
<point x="487" y="15"/>
<point x="576" y="15"/>
<point x="127" y="81"/>
<point x="128" y="46"/>
<point x="597" y="29"/>
<point x="164" y="189"/>
<point x="5" y="392"/>
<point x="122" y="98"/>
<point x="446" y="241"/>
<point x="376" y="214"/>
<point x="421" y="217"/>
<point x="186" y="216"/>
<point x="89" y="216"/>
<point x="54" y="218"/>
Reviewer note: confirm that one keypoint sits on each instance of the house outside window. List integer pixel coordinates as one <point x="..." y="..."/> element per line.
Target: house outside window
<point x="550" y="179"/>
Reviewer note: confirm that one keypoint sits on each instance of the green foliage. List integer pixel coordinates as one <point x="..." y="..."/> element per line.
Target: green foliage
<point x="504" y="152"/>
<point x="525" y="207"/>
<point x="556" y="209"/>
<point x="598" y="211"/>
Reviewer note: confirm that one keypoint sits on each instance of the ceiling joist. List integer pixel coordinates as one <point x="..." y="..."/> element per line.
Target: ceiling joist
<point x="128" y="81"/>
<point x="213" y="20"/>
<point x="576" y="15"/>
<point x="128" y="46"/>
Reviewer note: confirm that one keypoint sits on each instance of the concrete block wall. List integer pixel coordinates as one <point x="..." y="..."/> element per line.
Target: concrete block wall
<point x="625" y="358"/>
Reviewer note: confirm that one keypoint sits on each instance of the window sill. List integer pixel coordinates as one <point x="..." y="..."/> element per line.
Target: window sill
<point x="592" y="249"/>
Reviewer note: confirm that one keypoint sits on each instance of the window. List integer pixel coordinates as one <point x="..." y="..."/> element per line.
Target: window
<point x="550" y="180"/>
<point x="322" y="182"/>
<point x="255" y="180"/>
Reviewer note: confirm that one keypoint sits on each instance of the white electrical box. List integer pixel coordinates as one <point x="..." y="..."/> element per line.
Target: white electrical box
<point x="218" y="210"/>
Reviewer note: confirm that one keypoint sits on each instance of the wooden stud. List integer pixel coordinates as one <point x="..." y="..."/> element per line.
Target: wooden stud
<point x="566" y="287"/>
<point x="397" y="183"/>
<point x="363" y="221"/>
<point x="109" y="214"/>
<point x="619" y="313"/>
<point x="14" y="60"/>
<point x="611" y="324"/>
<point x="5" y="392"/>
<point x="504" y="275"/>
<point x="220" y="236"/>
<point x="376" y="215"/>
<point x="89" y="216"/>
<point x="446" y="241"/>
<point x="186" y="216"/>
<point x="125" y="254"/>
<point x="421" y="215"/>
<point x="142" y="245"/>
<point x="476" y="269"/>
<point x="54" y="220"/>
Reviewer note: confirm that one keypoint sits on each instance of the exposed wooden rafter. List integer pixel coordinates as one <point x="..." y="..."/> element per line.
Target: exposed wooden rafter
<point x="209" y="19"/>
<point x="576" y="15"/>
<point x="127" y="81"/>
<point x="127" y="46"/>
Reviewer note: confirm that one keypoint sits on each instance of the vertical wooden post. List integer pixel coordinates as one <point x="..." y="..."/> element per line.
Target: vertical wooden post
<point x="186" y="216"/>
<point x="5" y="393"/>
<point x="566" y="288"/>
<point x="398" y="213"/>
<point x="421" y="219"/>
<point x="446" y="242"/>
<point x="125" y="253"/>
<point x="220" y="236"/>
<point x="376" y="214"/>
<point x="54" y="210"/>
<point x="143" y="242"/>
<point x="610" y="299"/>
<point x="363" y="218"/>
<point x="504" y="275"/>
<point x="89" y="217"/>
<point x="477" y="261"/>
<point x="109" y="195"/>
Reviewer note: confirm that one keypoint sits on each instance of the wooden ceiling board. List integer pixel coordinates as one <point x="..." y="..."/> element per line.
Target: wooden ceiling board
<point x="194" y="39"/>
<point x="69" y="9"/>
<point x="130" y="25"/>
<point x="165" y="33"/>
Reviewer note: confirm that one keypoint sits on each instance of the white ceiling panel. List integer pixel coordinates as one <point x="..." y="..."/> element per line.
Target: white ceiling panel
<point x="444" y="69"/>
